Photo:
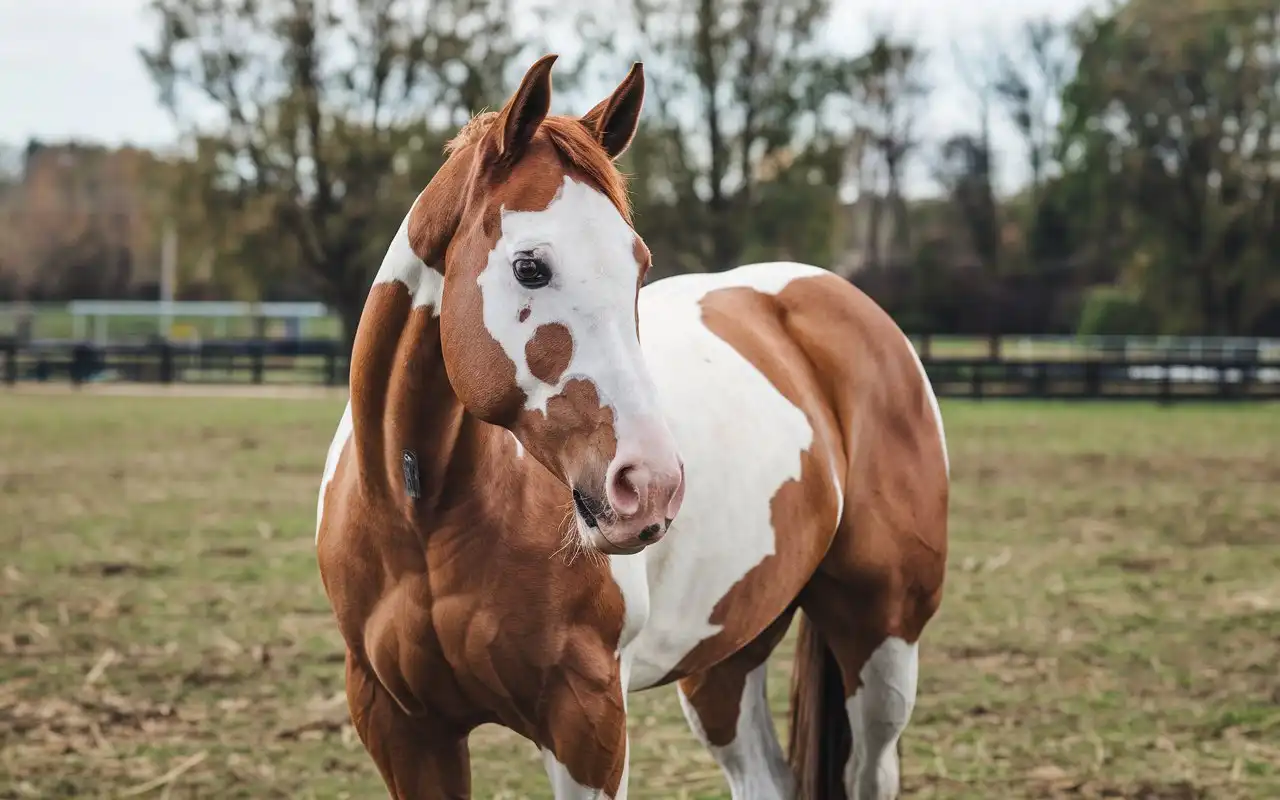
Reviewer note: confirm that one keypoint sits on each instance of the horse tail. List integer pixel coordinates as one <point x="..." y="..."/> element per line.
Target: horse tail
<point x="820" y="738"/>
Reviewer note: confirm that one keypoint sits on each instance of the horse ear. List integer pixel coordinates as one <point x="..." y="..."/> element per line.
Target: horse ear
<point x="526" y="109"/>
<point x="614" y="119"/>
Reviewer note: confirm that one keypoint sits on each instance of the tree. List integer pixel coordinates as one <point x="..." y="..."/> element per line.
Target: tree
<point x="79" y="222"/>
<point x="889" y="86"/>
<point x="1028" y="80"/>
<point x="964" y="169"/>
<point x="1180" y="107"/>
<point x="743" y="101"/>
<point x="322" y="119"/>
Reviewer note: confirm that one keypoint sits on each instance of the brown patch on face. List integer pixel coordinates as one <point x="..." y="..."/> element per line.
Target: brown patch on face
<point x="573" y="144"/>
<point x="530" y="185"/>
<point x="576" y="435"/>
<point x="549" y="352"/>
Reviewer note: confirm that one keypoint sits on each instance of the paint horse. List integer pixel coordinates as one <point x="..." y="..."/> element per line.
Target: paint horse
<point x="551" y="487"/>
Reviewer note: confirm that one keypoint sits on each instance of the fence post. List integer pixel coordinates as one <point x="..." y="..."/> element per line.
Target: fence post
<point x="81" y="358"/>
<point x="1166" y="384"/>
<point x="1092" y="378"/>
<point x="11" y="362"/>
<point x="166" y="362"/>
<point x="926" y="346"/>
<point x="256" y="354"/>
<point x="331" y="365"/>
<point x="976" y="378"/>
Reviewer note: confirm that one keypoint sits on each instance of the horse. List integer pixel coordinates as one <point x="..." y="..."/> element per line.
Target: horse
<point x="552" y="487"/>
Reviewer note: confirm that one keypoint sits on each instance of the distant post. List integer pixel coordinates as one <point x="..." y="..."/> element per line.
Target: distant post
<point x="257" y="356"/>
<point x="11" y="361"/>
<point x="331" y="364"/>
<point x="168" y="277"/>
<point x="166" y="361"/>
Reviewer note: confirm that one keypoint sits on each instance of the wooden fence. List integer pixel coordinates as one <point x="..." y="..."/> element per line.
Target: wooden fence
<point x="322" y="362"/>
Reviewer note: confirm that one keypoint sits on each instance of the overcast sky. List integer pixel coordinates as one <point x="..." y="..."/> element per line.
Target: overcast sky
<point x="69" y="68"/>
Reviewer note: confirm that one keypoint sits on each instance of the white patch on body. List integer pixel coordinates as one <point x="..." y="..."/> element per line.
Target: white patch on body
<point x="425" y="283"/>
<point x="336" y="446"/>
<point x="753" y="762"/>
<point x="589" y="248"/>
<point x="741" y="440"/>
<point x="933" y="403"/>
<point x="878" y="714"/>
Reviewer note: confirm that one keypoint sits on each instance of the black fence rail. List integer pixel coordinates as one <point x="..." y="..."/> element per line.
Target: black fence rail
<point x="1164" y="380"/>
<point x="323" y="362"/>
<point x="249" y="361"/>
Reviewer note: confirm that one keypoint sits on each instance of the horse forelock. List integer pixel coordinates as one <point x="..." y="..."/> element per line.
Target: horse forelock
<point x="577" y="148"/>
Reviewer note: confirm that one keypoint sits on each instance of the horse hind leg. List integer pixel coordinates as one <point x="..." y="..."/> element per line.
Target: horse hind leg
<point x="727" y="707"/>
<point x="879" y="712"/>
<point x="862" y="638"/>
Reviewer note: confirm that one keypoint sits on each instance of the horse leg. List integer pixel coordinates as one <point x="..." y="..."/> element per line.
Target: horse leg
<point x="872" y="632"/>
<point x="728" y="710"/>
<point x="417" y="760"/>
<point x="564" y="786"/>
<point x="585" y="753"/>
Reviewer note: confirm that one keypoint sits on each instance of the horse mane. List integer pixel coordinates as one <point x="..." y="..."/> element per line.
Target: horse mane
<point x="572" y="141"/>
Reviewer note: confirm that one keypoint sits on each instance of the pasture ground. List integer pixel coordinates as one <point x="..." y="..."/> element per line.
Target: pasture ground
<point x="1111" y="626"/>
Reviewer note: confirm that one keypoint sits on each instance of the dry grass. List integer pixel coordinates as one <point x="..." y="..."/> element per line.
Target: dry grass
<point x="1112" y="624"/>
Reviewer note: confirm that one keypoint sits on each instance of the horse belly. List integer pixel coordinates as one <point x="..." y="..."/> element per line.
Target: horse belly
<point x="725" y="570"/>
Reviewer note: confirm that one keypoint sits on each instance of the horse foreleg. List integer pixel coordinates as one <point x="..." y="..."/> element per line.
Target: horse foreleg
<point x="585" y="747"/>
<point x="417" y="760"/>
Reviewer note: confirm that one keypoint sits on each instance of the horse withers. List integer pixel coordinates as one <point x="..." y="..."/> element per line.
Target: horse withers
<point x="551" y="487"/>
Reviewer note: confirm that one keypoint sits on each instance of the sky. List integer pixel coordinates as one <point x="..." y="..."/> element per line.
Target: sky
<point x="69" y="69"/>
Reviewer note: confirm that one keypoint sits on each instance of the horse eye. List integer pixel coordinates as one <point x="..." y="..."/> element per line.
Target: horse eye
<point x="531" y="272"/>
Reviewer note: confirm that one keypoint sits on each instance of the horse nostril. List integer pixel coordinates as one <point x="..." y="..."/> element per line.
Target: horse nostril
<point x="627" y="488"/>
<point x="648" y="533"/>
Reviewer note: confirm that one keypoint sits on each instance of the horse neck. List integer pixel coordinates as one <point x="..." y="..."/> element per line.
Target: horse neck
<point x="401" y="398"/>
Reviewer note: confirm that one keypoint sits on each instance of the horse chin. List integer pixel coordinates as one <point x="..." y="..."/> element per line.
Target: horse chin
<point x="593" y="538"/>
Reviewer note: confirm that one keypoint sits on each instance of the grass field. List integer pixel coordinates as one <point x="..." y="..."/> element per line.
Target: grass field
<point x="1111" y="626"/>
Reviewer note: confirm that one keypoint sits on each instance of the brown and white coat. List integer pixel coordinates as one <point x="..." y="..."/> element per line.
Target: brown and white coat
<point x="621" y="488"/>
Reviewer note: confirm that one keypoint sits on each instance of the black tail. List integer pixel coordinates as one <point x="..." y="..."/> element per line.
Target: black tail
<point x="820" y="736"/>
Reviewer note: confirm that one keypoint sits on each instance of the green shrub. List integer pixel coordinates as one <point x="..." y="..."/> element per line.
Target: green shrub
<point x="1114" y="311"/>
